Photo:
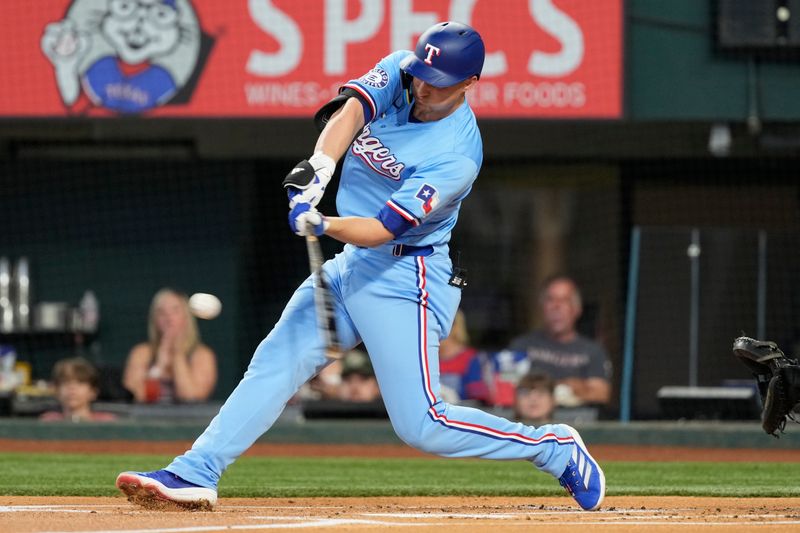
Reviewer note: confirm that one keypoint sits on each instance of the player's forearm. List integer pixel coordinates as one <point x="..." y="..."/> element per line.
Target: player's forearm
<point x="360" y="231"/>
<point x="341" y="129"/>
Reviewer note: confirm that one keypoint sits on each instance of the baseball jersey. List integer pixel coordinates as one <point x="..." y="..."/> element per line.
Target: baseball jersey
<point x="411" y="175"/>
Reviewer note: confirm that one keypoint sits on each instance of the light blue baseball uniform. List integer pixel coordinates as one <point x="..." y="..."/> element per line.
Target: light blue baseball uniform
<point x="395" y="298"/>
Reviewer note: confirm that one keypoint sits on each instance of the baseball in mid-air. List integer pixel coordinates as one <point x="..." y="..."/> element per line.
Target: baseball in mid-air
<point x="204" y="305"/>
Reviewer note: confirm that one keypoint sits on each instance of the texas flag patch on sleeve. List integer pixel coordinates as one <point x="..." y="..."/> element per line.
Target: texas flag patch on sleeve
<point x="429" y="197"/>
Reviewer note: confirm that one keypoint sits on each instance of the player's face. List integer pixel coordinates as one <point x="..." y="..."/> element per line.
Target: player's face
<point x="432" y="101"/>
<point x="560" y="308"/>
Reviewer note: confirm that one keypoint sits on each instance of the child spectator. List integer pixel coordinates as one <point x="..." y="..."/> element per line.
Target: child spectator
<point x="76" y="382"/>
<point x="358" y="378"/>
<point x="534" y="400"/>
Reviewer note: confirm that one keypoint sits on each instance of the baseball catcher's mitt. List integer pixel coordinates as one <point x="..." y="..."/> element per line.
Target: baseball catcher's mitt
<point x="778" y="379"/>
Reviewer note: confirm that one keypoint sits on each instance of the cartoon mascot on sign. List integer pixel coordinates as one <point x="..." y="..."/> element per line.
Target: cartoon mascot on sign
<point x="127" y="56"/>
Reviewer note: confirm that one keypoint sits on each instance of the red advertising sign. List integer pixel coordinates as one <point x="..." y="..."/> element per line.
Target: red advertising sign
<point x="283" y="58"/>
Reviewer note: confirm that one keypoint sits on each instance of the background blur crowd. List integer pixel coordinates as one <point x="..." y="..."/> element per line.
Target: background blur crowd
<point x="542" y="373"/>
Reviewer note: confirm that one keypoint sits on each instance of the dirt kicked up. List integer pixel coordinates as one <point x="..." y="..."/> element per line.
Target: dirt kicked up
<point x="21" y="514"/>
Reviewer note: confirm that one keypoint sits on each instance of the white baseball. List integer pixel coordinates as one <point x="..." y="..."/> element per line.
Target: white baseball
<point x="204" y="305"/>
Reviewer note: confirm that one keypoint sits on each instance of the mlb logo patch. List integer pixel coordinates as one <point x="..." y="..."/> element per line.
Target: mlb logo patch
<point x="376" y="77"/>
<point x="429" y="197"/>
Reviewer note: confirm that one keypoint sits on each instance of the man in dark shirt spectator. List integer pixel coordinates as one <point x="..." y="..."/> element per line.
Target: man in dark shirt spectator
<point x="577" y="364"/>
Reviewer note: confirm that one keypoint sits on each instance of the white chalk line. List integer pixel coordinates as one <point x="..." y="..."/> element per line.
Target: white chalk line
<point x="125" y="504"/>
<point x="482" y="516"/>
<point x="333" y="522"/>
<point x="301" y="525"/>
<point x="22" y="509"/>
<point x="223" y="508"/>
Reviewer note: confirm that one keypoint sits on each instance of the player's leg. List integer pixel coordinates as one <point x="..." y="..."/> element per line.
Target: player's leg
<point x="401" y="328"/>
<point x="403" y="341"/>
<point x="288" y="357"/>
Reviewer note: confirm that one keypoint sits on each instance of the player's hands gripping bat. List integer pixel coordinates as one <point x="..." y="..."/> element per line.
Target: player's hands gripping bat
<point x="305" y="220"/>
<point x="777" y="377"/>
<point x="323" y="299"/>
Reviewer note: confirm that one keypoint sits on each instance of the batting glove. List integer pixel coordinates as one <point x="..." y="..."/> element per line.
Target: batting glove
<point x="306" y="182"/>
<point x="304" y="215"/>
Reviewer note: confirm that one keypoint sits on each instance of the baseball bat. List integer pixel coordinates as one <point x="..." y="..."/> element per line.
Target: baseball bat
<point x="323" y="299"/>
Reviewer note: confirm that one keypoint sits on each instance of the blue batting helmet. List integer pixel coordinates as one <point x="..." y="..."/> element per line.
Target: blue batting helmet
<point x="447" y="53"/>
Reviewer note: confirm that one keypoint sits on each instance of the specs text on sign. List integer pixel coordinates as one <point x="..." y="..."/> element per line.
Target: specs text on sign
<point x="406" y="24"/>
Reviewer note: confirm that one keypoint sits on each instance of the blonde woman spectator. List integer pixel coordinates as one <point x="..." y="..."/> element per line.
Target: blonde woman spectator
<point x="77" y="384"/>
<point x="174" y="365"/>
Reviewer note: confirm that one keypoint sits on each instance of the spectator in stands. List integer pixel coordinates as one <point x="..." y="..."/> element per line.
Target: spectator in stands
<point x="456" y="358"/>
<point x="76" y="382"/>
<point x="174" y="365"/>
<point x="358" y="378"/>
<point x="323" y="386"/>
<point x="579" y="365"/>
<point x="534" y="401"/>
<point x="469" y="374"/>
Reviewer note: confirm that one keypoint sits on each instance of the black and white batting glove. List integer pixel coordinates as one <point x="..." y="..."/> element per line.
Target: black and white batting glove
<point x="306" y="182"/>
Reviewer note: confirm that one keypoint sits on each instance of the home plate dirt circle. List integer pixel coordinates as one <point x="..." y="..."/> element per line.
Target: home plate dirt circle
<point x="21" y="514"/>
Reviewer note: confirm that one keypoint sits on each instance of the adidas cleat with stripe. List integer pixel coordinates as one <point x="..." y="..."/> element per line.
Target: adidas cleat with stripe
<point x="583" y="478"/>
<point x="157" y="489"/>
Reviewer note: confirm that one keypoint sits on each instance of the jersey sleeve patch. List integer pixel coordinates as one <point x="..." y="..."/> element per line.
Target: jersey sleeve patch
<point x="376" y="77"/>
<point x="429" y="196"/>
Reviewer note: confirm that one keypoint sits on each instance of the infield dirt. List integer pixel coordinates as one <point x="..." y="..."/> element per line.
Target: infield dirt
<point x="458" y="514"/>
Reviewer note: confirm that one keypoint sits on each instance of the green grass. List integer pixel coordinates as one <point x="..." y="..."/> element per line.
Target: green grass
<point x="81" y="475"/>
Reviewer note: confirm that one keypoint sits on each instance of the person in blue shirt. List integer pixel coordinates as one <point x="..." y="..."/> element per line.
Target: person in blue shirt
<point x="411" y="151"/>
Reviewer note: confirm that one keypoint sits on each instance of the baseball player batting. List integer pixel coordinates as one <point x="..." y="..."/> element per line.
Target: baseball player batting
<point x="412" y="150"/>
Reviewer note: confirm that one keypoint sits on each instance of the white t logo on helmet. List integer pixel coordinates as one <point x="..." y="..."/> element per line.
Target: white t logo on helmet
<point x="431" y="50"/>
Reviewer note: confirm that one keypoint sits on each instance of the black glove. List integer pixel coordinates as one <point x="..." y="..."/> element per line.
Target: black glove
<point x="778" y="379"/>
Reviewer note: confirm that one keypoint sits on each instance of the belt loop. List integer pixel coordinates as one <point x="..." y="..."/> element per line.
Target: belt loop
<point x="397" y="250"/>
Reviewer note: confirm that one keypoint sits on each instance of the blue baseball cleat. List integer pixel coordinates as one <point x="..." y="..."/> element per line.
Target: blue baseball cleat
<point x="583" y="478"/>
<point x="154" y="489"/>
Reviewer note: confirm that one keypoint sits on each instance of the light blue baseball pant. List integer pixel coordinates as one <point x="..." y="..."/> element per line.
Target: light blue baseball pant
<point x="400" y="307"/>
